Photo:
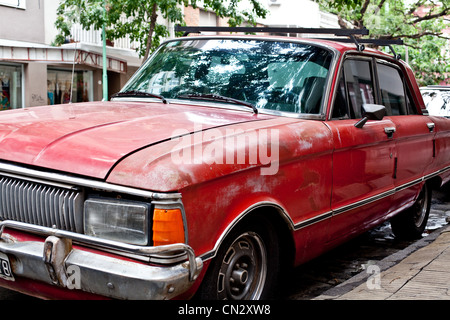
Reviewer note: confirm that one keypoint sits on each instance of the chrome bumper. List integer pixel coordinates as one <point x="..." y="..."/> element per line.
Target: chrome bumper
<point x="56" y="262"/>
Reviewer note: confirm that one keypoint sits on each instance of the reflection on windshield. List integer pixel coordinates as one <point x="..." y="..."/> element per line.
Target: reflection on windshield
<point x="272" y="75"/>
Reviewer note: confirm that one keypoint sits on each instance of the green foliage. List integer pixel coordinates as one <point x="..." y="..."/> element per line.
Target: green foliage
<point x="426" y="47"/>
<point x="349" y="4"/>
<point x="137" y="18"/>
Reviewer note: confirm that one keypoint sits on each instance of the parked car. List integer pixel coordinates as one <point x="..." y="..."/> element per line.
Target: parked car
<point x="223" y="161"/>
<point x="437" y="100"/>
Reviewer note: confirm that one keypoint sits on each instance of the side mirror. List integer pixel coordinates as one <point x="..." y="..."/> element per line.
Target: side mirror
<point x="371" y="112"/>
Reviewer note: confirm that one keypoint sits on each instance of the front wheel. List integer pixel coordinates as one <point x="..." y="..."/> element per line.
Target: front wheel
<point x="411" y="223"/>
<point x="246" y="265"/>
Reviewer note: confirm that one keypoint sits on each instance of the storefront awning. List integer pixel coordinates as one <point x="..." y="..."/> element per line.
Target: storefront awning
<point x="78" y="53"/>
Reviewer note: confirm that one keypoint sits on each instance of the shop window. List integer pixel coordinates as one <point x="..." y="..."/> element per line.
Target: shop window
<point x="208" y="18"/>
<point x="60" y="89"/>
<point x="10" y="87"/>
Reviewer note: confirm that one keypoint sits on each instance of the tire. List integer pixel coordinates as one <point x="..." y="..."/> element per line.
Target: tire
<point x="411" y="223"/>
<point x="246" y="266"/>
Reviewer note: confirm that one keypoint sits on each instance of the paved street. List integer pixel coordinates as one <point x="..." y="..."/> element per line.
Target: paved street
<point x="418" y="275"/>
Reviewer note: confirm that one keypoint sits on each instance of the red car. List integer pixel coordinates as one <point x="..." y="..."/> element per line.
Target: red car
<point x="223" y="161"/>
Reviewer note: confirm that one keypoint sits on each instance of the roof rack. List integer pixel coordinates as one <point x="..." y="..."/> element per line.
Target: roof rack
<point x="377" y="42"/>
<point x="333" y="31"/>
<point x="336" y="32"/>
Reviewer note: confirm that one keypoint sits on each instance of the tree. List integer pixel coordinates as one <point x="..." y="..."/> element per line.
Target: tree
<point x="138" y="18"/>
<point x="420" y="23"/>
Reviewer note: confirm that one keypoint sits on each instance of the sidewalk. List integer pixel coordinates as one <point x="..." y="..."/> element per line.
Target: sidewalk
<point x="419" y="272"/>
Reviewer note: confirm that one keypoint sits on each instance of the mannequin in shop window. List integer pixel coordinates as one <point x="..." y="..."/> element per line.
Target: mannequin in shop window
<point x="50" y="93"/>
<point x="57" y="93"/>
<point x="4" y="93"/>
<point x="66" y="95"/>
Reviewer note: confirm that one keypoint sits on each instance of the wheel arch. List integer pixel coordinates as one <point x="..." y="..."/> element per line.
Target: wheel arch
<point x="275" y="216"/>
<point x="434" y="182"/>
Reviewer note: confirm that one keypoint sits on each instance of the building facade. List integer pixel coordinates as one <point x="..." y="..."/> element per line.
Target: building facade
<point x="34" y="73"/>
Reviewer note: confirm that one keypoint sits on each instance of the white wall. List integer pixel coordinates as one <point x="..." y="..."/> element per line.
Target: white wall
<point x="50" y="7"/>
<point x="294" y="13"/>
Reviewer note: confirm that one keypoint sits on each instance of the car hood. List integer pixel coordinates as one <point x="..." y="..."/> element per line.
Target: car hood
<point x="90" y="138"/>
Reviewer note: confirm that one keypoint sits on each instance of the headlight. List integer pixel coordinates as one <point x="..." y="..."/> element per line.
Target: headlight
<point x="119" y="220"/>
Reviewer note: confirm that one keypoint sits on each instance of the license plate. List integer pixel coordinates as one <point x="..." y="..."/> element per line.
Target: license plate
<point x="5" y="268"/>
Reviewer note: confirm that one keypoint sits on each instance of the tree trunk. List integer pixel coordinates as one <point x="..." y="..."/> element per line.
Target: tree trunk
<point x="153" y="17"/>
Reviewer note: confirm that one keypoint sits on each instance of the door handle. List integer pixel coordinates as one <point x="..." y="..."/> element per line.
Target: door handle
<point x="389" y="131"/>
<point x="431" y="126"/>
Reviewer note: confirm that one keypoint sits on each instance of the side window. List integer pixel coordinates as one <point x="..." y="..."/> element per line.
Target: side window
<point x="392" y="90"/>
<point x="358" y="77"/>
<point x="355" y="88"/>
<point x="340" y="109"/>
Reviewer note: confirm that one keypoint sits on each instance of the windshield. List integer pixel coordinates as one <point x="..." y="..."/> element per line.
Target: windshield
<point x="280" y="76"/>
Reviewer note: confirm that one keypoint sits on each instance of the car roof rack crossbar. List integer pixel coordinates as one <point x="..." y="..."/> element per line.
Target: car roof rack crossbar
<point x="377" y="42"/>
<point x="350" y="33"/>
<point x="337" y="32"/>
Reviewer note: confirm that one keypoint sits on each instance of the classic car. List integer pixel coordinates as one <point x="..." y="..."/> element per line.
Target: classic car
<point x="223" y="161"/>
<point x="437" y="100"/>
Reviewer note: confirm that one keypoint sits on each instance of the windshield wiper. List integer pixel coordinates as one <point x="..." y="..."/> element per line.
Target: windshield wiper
<point x="216" y="97"/>
<point x="137" y="93"/>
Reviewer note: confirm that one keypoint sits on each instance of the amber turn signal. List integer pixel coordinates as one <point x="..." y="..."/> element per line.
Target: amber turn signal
<point x="168" y="226"/>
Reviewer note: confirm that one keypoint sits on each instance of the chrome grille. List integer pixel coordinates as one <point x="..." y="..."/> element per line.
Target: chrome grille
<point x="34" y="202"/>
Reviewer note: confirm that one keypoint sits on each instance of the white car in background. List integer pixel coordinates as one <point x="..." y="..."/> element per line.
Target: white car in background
<point x="437" y="100"/>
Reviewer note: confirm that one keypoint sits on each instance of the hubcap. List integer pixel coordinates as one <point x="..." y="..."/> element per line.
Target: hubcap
<point x="244" y="269"/>
<point x="421" y="207"/>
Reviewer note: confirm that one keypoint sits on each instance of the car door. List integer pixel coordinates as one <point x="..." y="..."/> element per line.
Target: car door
<point x="414" y="135"/>
<point x="441" y="162"/>
<point x="363" y="158"/>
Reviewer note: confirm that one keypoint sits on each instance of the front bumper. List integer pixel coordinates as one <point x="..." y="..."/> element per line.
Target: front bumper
<point x="56" y="262"/>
